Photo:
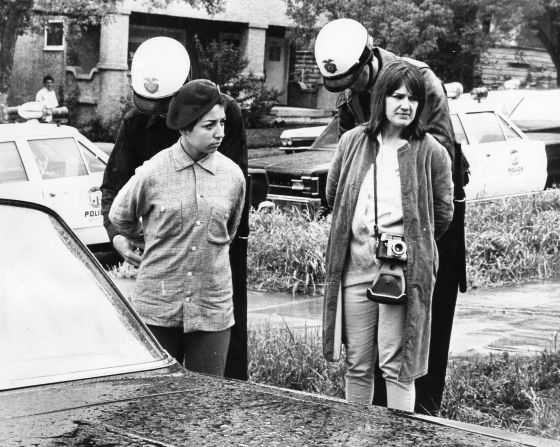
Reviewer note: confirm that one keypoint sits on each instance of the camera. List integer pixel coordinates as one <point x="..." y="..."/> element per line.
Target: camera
<point x="391" y="247"/>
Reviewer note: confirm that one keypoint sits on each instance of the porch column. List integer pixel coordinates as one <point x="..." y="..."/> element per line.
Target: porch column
<point x="253" y="45"/>
<point x="113" y="67"/>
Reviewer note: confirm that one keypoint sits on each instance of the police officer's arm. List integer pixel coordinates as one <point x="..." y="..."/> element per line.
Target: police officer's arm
<point x="435" y="115"/>
<point x="234" y="146"/>
<point x="119" y="169"/>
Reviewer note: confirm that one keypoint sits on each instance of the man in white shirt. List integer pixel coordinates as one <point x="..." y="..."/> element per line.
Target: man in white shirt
<point x="46" y="96"/>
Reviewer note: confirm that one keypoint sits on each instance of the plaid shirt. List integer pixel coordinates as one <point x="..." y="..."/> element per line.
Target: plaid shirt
<point x="190" y="212"/>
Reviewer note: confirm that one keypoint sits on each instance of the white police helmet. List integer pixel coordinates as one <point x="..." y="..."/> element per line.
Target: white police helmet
<point x="160" y="67"/>
<point x="342" y="48"/>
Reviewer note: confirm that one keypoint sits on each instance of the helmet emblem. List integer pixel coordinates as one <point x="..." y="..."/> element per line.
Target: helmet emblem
<point x="151" y="85"/>
<point x="329" y="66"/>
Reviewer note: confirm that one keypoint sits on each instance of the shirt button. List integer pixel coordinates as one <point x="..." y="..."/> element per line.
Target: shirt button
<point x="162" y="208"/>
<point x="187" y="300"/>
<point x="189" y="273"/>
<point x="198" y="222"/>
<point x="226" y="214"/>
<point x="193" y="248"/>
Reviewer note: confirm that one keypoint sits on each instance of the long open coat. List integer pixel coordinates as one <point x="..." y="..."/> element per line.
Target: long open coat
<point x="427" y="200"/>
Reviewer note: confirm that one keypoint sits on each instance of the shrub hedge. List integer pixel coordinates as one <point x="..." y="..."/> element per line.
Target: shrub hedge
<point x="510" y="240"/>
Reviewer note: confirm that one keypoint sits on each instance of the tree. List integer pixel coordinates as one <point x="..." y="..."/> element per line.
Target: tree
<point x="20" y="16"/>
<point x="408" y="28"/>
<point x="450" y="35"/>
<point x="544" y="18"/>
<point x="476" y="26"/>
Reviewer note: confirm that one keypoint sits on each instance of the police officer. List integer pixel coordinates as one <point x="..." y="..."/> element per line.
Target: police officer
<point x="350" y="64"/>
<point x="159" y="68"/>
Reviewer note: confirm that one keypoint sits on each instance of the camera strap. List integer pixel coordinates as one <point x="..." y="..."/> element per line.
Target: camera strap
<point x="374" y="171"/>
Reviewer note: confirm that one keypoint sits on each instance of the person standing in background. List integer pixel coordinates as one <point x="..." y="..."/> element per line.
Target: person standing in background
<point x="46" y="96"/>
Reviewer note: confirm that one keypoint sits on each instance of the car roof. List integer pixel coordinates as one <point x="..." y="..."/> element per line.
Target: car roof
<point x="33" y="129"/>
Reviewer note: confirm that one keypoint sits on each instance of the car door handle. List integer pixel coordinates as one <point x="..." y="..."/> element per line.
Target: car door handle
<point x="52" y="194"/>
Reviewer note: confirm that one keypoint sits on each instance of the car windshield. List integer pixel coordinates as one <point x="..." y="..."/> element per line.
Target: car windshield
<point x="328" y="139"/>
<point x="60" y="318"/>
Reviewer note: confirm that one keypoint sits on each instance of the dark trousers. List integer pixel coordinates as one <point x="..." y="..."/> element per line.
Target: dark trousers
<point x="199" y="351"/>
<point x="236" y="362"/>
<point x="429" y="389"/>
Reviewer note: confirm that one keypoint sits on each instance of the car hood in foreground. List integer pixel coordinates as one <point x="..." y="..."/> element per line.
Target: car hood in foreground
<point x="300" y="163"/>
<point x="173" y="407"/>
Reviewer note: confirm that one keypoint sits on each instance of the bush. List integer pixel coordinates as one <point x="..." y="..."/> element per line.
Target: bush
<point x="520" y="394"/>
<point x="286" y="251"/>
<point x="513" y="240"/>
<point x="293" y="359"/>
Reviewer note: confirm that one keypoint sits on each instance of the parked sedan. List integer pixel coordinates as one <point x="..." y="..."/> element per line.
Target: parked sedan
<point x="503" y="160"/>
<point x="57" y="166"/>
<point x="80" y="368"/>
<point x="299" y="139"/>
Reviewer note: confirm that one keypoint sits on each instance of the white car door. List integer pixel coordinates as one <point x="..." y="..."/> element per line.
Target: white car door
<point x="503" y="162"/>
<point x="17" y="181"/>
<point x="69" y="185"/>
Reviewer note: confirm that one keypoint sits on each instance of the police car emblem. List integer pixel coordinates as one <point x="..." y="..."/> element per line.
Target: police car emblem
<point x="151" y="85"/>
<point x="514" y="157"/>
<point x="329" y="66"/>
<point x="94" y="197"/>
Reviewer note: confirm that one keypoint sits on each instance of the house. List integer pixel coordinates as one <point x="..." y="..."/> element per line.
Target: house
<point x="91" y="70"/>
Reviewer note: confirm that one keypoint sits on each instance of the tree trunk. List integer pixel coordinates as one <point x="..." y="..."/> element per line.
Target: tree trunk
<point x="15" y="16"/>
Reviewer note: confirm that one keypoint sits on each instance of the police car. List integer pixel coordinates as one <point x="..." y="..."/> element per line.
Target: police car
<point x="503" y="160"/>
<point x="53" y="164"/>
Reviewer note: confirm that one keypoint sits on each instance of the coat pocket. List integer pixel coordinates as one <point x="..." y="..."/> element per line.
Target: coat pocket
<point x="169" y="219"/>
<point x="217" y="226"/>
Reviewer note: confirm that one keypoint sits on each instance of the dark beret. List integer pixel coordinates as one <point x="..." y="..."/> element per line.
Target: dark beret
<point x="192" y="100"/>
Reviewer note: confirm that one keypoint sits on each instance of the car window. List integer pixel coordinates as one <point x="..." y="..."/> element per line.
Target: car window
<point x="458" y="130"/>
<point x="541" y="107"/>
<point x="58" y="157"/>
<point x="484" y="127"/>
<point x="60" y="320"/>
<point x="95" y="164"/>
<point x="11" y="166"/>
<point x="510" y="133"/>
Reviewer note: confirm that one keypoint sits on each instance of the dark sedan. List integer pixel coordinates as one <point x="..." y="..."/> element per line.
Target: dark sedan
<point x="79" y="368"/>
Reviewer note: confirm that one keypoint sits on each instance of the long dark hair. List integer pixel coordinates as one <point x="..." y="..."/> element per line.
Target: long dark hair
<point x="390" y="79"/>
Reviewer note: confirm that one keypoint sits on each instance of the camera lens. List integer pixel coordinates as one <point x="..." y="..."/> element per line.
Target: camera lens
<point x="398" y="248"/>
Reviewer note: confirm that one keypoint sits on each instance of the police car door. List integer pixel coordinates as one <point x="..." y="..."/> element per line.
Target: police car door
<point x="17" y="180"/>
<point x="511" y="164"/>
<point x="69" y="185"/>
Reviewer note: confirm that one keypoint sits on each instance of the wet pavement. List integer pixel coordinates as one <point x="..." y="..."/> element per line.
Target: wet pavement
<point x="521" y="319"/>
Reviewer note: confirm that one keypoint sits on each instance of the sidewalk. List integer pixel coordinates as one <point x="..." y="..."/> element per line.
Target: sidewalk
<point x="522" y="319"/>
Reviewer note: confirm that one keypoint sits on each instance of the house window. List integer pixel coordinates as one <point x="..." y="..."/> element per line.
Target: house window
<point x="54" y="35"/>
<point x="274" y="53"/>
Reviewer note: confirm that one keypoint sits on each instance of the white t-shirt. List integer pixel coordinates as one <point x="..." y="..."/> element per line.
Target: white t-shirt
<point x="47" y="98"/>
<point x="361" y="263"/>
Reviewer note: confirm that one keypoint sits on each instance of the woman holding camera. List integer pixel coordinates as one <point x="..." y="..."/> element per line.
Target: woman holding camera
<point x="391" y="192"/>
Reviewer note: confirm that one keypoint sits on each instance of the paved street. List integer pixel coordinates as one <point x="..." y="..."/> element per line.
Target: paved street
<point x="521" y="319"/>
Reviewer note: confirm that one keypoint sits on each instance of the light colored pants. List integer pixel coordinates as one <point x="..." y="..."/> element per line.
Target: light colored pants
<point x="371" y="329"/>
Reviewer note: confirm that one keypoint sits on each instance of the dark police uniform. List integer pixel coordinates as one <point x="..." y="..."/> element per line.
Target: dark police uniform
<point x="142" y="136"/>
<point x="353" y="109"/>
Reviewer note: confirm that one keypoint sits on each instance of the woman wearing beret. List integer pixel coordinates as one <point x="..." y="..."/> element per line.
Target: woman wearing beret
<point x="391" y="192"/>
<point x="187" y="200"/>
